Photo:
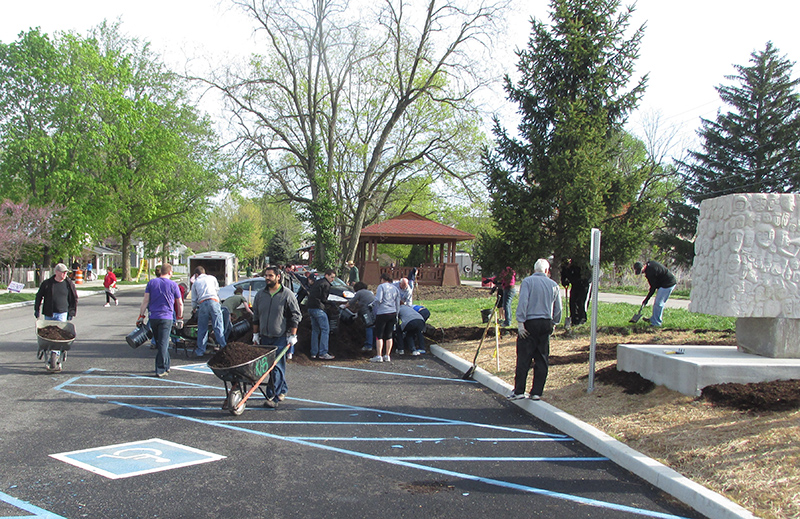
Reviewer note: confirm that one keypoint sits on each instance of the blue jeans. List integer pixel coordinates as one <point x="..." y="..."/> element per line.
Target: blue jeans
<point x="277" y="378"/>
<point x="658" y="304"/>
<point x="161" y="329"/>
<point x="57" y="317"/>
<point x="320" y="331"/>
<point x="209" y="310"/>
<point x="508" y="296"/>
<point x="369" y="340"/>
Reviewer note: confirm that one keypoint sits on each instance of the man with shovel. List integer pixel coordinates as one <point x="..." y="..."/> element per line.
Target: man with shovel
<point x="538" y="311"/>
<point x="662" y="281"/>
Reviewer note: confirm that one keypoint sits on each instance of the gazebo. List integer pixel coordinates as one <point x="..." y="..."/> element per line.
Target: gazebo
<point x="410" y="228"/>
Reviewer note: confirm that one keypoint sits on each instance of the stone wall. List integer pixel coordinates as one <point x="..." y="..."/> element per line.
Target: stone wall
<point x="746" y="262"/>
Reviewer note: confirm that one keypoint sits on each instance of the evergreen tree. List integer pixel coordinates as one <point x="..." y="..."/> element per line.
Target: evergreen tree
<point x="562" y="176"/>
<point x="754" y="146"/>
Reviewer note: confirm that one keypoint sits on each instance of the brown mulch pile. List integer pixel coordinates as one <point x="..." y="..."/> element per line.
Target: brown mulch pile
<point x="779" y="395"/>
<point x="54" y="333"/>
<point x="235" y="354"/>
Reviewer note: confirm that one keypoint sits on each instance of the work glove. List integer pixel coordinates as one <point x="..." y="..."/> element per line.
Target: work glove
<point x="36" y="313"/>
<point x="179" y="324"/>
<point x="291" y="340"/>
<point x="521" y="331"/>
<point x="140" y="321"/>
<point x="255" y="340"/>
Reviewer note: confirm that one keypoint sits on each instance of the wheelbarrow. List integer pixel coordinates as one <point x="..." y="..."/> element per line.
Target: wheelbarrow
<point x="54" y="351"/>
<point x="251" y="374"/>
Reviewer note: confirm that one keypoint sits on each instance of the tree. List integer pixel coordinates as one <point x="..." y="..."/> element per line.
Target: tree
<point x="344" y="107"/>
<point x="754" y="147"/>
<point x="22" y="227"/>
<point x="47" y="127"/>
<point x="158" y="156"/>
<point x="280" y="250"/>
<point x="566" y="172"/>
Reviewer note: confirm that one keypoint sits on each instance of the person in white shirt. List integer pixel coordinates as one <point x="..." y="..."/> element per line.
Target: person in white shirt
<point x="205" y="300"/>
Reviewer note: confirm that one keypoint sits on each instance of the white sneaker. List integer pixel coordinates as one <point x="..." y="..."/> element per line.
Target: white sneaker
<point x="401" y="352"/>
<point x="386" y="358"/>
<point x="107" y="305"/>
<point x="289" y="356"/>
<point x="535" y="397"/>
<point x="416" y="352"/>
<point x="514" y="396"/>
<point x="116" y="302"/>
<point x="376" y="358"/>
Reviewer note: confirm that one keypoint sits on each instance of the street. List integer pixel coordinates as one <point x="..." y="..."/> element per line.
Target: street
<point x="105" y="438"/>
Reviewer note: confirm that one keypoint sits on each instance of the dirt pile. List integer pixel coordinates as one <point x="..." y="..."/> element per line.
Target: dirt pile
<point x="54" y="333"/>
<point x="235" y="354"/>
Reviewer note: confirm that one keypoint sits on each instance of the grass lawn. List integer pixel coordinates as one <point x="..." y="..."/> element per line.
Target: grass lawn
<point x="447" y="313"/>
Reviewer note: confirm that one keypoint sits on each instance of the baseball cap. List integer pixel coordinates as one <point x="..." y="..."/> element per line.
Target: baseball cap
<point x="61" y="268"/>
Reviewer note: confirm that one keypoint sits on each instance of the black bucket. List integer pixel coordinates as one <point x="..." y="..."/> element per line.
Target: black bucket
<point x="139" y="336"/>
<point x="238" y="329"/>
<point x="485" y="314"/>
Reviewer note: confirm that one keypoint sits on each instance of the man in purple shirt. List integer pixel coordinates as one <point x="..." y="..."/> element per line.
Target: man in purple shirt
<point x="163" y="299"/>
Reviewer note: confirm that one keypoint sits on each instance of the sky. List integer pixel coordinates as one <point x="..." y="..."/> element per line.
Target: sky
<point x="689" y="46"/>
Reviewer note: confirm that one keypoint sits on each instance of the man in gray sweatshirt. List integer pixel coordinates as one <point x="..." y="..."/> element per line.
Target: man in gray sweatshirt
<point x="538" y="311"/>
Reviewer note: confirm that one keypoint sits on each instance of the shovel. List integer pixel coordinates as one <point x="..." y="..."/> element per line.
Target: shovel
<point x="471" y="370"/>
<point x="637" y="315"/>
<point x="568" y="320"/>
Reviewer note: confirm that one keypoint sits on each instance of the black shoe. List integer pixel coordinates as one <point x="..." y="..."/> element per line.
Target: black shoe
<point x="270" y="403"/>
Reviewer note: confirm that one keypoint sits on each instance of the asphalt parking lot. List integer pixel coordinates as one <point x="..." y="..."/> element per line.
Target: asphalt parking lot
<point x="104" y="438"/>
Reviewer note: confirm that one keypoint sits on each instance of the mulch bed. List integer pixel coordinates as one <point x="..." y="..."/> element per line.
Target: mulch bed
<point x="54" y="333"/>
<point x="778" y="395"/>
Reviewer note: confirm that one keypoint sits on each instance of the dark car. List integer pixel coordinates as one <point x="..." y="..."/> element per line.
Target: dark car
<point x="340" y="291"/>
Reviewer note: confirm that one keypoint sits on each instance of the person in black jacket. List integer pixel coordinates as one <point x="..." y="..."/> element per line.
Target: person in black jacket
<point x="579" y="280"/>
<point x="60" y="304"/>
<point x="662" y="283"/>
<point x="320" y="329"/>
<point x="59" y="295"/>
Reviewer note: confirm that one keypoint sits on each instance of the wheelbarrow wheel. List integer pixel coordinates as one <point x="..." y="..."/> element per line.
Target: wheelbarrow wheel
<point x="234" y="397"/>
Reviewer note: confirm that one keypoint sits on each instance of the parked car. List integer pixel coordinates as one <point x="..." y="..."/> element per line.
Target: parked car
<point x="250" y="287"/>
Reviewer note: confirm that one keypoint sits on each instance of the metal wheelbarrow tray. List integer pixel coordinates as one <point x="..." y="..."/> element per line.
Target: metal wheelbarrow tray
<point x="52" y="344"/>
<point x="243" y="375"/>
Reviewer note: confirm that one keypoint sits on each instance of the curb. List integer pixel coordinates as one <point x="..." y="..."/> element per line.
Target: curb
<point x="696" y="496"/>
<point x="20" y="304"/>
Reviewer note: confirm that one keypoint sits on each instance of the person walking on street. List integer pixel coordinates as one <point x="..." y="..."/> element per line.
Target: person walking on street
<point x="320" y="328"/>
<point x="110" y="285"/>
<point x="662" y="283"/>
<point x="58" y="300"/>
<point x="276" y="316"/>
<point x="387" y="304"/>
<point x="162" y="299"/>
<point x="205" y="300"/>
<point x="538" y="312"/>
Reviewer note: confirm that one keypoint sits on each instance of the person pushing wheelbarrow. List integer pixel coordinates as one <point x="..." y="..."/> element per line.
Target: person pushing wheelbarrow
<point x="60" y="300"/>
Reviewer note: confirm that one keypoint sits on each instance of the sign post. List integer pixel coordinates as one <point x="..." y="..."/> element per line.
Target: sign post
<point x="594" y="260"/>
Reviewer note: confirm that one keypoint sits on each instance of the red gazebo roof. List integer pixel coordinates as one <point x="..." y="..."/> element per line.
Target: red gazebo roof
<point x="412" y="228"/>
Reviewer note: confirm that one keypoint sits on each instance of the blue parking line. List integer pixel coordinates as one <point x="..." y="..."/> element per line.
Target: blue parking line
<point x="415" y="463"/>
<point x="24" y="505"/>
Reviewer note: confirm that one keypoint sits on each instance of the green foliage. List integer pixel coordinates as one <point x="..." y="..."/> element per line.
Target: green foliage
<point x="754" y="147"/>
<point x="572" y="168"/>
<point x="280" y="249"/>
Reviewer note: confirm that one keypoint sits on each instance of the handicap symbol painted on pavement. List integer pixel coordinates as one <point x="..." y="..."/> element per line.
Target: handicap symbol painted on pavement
<point x="136" y="458"/>
<point x="195" y="368"/>
<point x="137" y="454"/>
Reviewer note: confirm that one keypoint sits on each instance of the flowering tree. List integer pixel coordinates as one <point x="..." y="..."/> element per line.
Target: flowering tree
<point x="22" y="227"/>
